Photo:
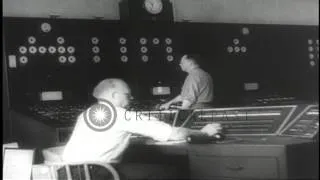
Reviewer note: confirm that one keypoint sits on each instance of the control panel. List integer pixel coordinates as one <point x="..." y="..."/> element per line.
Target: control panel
<point x="57" y="114"/>
<point x="263" y="120"/>
<point x="305" y="124"/>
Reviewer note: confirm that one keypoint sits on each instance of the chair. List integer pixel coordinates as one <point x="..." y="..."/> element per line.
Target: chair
<point x="91" y="170"/>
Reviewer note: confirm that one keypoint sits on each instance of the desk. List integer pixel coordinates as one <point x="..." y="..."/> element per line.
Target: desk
<point x="268" y="157"/>
<point x="244" y="158"/>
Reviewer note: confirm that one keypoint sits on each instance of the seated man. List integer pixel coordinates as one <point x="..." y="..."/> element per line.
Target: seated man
<point x="103" y="131"/>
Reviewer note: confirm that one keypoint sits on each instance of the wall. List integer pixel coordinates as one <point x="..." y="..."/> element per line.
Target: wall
<point x="248" y="11"/>
<point x="65" y="8"/>
<point x="302" y="12"/>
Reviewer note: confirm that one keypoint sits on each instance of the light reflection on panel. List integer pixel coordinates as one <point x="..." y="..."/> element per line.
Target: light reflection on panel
<point x="306" y="124"/>
<point x="263" y="120"/>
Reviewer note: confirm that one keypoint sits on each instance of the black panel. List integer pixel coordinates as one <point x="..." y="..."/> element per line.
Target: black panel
<point x="43" y="72"/>
<point x="157" y="69"/>
<point x="276" y="57"/>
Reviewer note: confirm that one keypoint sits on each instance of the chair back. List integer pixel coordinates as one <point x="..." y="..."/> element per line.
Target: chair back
<point x="89" y="170"/>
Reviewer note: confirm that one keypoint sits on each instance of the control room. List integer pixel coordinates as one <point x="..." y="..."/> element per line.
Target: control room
<point x="160" y="89"/>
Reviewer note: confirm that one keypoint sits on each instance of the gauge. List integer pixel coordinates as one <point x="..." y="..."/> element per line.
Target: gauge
<point x="96" y="59"/>
<point x="243" y="49"/>
<point x="62" y="59"/>
<point x="42" y="49"/>
<point x="245" y="31"/>
<point x="230" y="49"/>
<point x="169" y="49"/>
<point x="96" y="49"/>
<point x="143" y="41"/>
<point x="71" y="49"/>
<point x="94" y="40"/>
<point x="236" y="41"/>
<point x="156" y="41"/>
<point x="310" y="49"/>
<point x="170" y="58"/>
<point x="168" y="40"/>
<point x="311" y="56"/>
<point x="123" y="49"/>
<point x="23" y="59"/>
<point x="145" y="58"/>
<point x="236" y="49"/>
<point x="144" y="49"/>
<point x="32" y="40"/>
<point x="52" y="49"/>
<point x="122" y="40"/>
<point x="124" y="58"/>
<point x="61" y="49"/>
<point x="60" y="40"/>
<point x="22" y="49"/>
<point x="312" y="63"/>
<point x="32" y="49"/>
<point x="72" y="59"/>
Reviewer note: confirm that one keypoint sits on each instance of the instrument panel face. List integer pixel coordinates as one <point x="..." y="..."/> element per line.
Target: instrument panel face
<point x="72" y="56"/>
<point x="266" y="120"/>
<point x="244" y="59"/>
<point x="59" y="55"/>
<point x="305" y="124"/>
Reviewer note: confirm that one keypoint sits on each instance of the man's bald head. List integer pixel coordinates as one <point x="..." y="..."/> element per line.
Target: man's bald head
<point x="188" y="62"/>
<point x="108" y="86"/>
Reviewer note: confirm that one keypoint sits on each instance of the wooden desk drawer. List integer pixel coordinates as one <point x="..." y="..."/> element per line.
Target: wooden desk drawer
<point x="233" y="167"/>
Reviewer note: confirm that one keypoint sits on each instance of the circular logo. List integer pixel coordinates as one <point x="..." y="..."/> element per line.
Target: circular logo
<point x="101" y="116"/>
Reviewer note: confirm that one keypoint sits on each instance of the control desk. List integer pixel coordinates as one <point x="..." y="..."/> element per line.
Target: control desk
<point x="262" y="142"/>
<point x="234" y="158"/>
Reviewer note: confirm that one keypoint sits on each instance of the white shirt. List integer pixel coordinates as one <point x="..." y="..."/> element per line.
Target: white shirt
<point x="86" y="144"/>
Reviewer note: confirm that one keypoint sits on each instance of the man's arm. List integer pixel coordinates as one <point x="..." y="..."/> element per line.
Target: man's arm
<point x="174" y="100"/>
<point x="183" y="133"/>
<point x="185" y="104"/>
<point x="162" y="131"/>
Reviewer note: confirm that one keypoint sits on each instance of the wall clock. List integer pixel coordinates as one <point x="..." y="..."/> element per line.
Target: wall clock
<point x="146" y="10"/>
<point x="153" y="6"/>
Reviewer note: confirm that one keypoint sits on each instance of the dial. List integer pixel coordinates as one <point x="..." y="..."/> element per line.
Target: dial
<point x="153" y="6"/>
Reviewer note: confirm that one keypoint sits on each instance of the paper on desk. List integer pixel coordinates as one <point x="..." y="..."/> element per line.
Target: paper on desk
<point x="9" y="145"/>
<point x="17" y="164"/>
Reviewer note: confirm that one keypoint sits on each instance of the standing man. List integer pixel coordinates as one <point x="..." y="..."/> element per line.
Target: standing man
<point x="197" y="90"/>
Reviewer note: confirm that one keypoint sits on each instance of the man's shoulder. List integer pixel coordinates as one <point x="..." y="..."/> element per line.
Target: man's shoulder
<point x="104" y="108"/>
<point x="199" y="73"/>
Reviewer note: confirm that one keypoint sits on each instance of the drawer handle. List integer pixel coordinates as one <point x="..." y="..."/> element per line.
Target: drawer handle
<point x="239" y="168"/>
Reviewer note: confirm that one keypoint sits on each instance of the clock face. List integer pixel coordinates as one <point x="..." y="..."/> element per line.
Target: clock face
<point x="153" y="6"/>
<point x="45" y="27"/>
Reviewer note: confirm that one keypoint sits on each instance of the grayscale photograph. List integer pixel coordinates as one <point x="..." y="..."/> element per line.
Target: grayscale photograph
<point x="160" y="89"/>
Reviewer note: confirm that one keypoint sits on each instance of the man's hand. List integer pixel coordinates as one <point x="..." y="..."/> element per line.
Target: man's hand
<point x="211" y="129"/>
<point x="164" y="106"/>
